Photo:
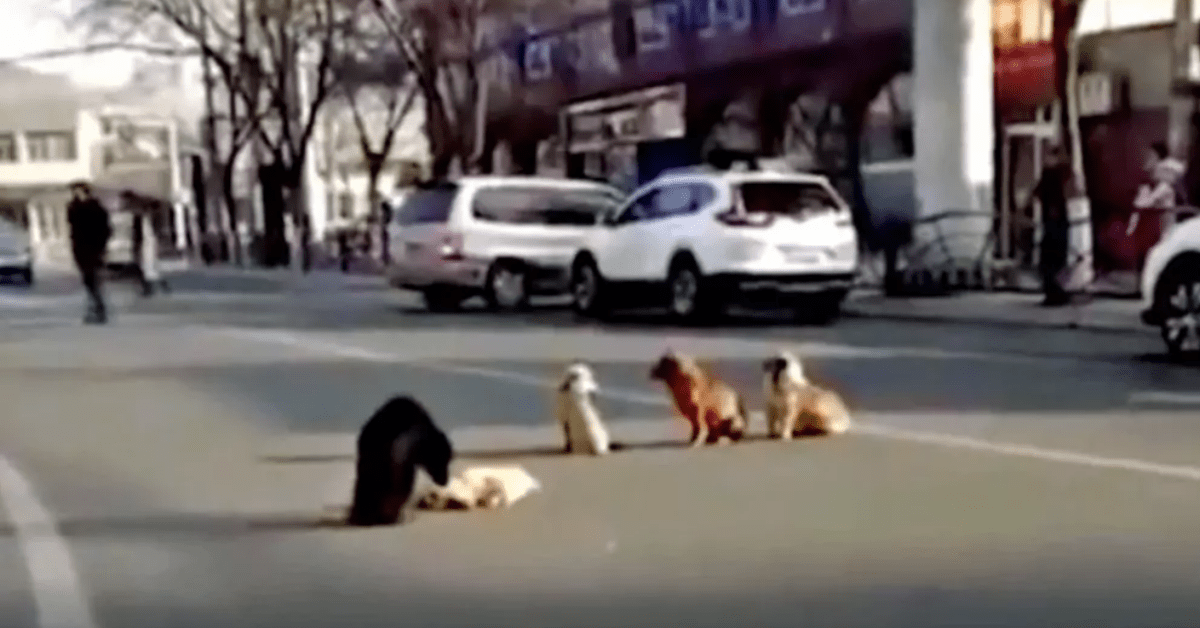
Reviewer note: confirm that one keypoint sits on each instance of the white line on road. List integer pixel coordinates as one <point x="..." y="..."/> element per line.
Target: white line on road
<point x="647" y="398"/>
<point x="1165" y="397"/>
<point x="57" y="592"/>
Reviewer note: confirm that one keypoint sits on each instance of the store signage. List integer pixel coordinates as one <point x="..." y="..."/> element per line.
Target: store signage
<point x="645" y="115"/>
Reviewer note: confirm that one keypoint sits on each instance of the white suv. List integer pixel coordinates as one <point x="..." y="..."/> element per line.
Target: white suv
<point x="503" y="238"/>
<point x="696" y="241"/>
<point x="1171" y="289"/>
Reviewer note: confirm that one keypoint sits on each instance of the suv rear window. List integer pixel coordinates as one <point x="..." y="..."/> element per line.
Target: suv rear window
<point x="542" y="205"/>
<point x="787" y="197"/>
<point x="427" y="205"/>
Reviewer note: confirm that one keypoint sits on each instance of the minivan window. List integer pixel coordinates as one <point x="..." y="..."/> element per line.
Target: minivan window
<point x="787" y="197"/>
<point x="542" y="205"/>
<point x="426" y="206"/>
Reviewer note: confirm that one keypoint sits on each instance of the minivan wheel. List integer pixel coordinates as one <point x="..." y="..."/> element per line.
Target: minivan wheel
<point x="587" y="290"/>
<point x="507" y="287"/>
<point x="689" y="297"/>
<point x="1179" y="301"/>
<point x="442" y="299"/>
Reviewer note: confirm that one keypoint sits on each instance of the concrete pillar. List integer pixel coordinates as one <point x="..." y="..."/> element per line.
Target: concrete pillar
<point x="952" y="123"/>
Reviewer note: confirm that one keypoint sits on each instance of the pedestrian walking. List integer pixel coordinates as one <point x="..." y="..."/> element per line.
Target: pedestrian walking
<point x="1051" y="191"/>
<point x="91" y="230"/>
<point x="145" y="249"/>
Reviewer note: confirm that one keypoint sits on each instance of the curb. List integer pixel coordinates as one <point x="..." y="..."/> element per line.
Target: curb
<point x="1114" y="328"/>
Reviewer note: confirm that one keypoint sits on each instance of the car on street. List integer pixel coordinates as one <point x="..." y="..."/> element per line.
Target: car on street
<point x="16" y="252"/>
<point x="503" y="238"/>
<point x="1171" y="289"/>
<point x="697" y="241"/>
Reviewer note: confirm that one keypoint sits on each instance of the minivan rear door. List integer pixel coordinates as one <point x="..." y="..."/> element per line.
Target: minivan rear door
<point x="419" y="224"/>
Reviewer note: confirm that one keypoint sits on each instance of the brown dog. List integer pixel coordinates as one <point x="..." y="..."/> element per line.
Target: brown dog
<point x="710" y="405"/>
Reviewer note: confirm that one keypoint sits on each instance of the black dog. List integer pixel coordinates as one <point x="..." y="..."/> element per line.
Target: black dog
<point x="397" y="439"/>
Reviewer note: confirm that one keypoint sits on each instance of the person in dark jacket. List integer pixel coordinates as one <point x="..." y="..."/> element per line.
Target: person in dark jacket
<point x="1052" y="189"/>
<point x="90" y="232"/>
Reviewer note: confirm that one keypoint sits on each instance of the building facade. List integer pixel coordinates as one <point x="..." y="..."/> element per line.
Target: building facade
<point x="52" y="135"/>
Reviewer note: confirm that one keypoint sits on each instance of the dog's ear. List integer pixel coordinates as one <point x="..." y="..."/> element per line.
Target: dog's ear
<point x="769" y="365"/>
<point x="567" y="381"/>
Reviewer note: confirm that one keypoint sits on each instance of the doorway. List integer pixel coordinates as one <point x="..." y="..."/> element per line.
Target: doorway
<point x="1022" y="151"/>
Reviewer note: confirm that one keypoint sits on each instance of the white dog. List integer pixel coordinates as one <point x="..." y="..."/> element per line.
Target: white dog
<point x="575" y="410"/>
<point x="481" y="487"/>
<point x="795" y="405"/>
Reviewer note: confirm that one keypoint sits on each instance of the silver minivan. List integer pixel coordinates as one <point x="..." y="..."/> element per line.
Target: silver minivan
<point x="503" y="238"/>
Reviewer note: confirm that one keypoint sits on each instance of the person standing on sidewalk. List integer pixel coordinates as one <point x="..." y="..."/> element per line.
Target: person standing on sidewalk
<point x="90" y="232"/>
<point x="145" y="247"/>
<point x="1163" y="193"/>
<point x="1051" y="192"/>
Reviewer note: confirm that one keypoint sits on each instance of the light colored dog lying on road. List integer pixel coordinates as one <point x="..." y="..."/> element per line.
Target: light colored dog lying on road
<point x="481" y="488"/>
<point x="575" y="410"/>
<point x="796" y="406"/>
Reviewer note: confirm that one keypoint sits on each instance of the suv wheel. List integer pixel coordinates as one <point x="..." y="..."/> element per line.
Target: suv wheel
<point x="442" y="299"/>
<point x="1179" y="302"/>
<point x="587" y="289"/>
<point x="507" y="287"/>
<point x="689" y="295"/>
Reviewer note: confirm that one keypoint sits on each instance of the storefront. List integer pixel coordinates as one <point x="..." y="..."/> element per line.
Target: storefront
<point x="628" y="139"/>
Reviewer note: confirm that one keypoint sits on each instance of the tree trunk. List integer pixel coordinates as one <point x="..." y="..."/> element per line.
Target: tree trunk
<point x="1066" y="60"/>
<point x="375" y="202"/>
<point x="1179" y="131"/>
<point x="231" y="213"/>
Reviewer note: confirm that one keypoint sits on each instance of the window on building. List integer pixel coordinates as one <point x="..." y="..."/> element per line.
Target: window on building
<point x="50" y="145"/>
<point x="8" y="148"/>
<point x="1017" y="22"/>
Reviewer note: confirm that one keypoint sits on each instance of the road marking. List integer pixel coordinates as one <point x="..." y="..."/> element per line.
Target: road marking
<point x="866" y="429"/>
<point x="1165" y="397"/>
<point x="57" y="592"/>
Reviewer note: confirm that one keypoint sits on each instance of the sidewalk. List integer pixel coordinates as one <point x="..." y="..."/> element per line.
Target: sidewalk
<point x="1001" y="308"/>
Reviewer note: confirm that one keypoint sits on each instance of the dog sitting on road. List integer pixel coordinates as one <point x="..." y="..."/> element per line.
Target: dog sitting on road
<point x="397" y="439"/>
<point x="797" y="407"/>
<point x="481" y="488"/>
<point x="575" y="411"/>
<point x="711" y="407"/>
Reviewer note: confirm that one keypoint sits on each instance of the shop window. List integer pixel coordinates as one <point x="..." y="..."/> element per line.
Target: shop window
<point x="1017" y="22"/>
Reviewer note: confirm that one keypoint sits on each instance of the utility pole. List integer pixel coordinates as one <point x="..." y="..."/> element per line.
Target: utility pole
<point x="1180" y="112"/>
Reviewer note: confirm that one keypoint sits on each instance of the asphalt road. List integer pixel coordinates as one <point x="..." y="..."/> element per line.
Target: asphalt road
<point x="179" y="467"/>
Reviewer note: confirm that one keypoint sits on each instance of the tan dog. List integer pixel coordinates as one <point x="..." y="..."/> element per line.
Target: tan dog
<point x="486" y="488"/>
<point x="710" y="405"/>
<point x="797" y="407"/>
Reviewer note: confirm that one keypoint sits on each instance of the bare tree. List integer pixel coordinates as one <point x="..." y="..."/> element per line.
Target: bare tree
<point x="1064" y="40"/>
<point x="273" y="57"/>
<point x="378" y="90"/>
<point x="443" y="42"/>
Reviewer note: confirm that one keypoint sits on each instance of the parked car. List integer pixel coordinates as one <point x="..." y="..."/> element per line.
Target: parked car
<point x="16" y="253"/>
<point x="697" y="241"/>
<point x="503" y="238"/>
<point x="1171" y="289"/>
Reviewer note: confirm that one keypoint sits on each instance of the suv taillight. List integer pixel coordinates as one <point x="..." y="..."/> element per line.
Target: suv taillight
<point x="735" y="219"/>
<point x="451" y="247"/>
